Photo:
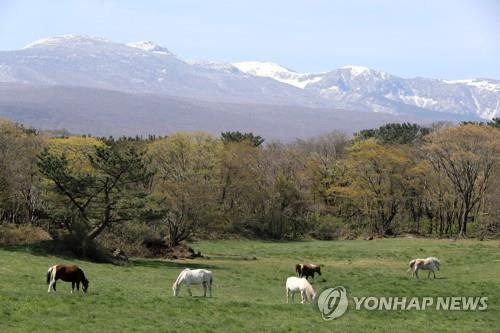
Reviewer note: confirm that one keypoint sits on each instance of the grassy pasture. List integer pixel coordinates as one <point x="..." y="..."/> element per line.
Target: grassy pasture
<point x="249" y="295"/>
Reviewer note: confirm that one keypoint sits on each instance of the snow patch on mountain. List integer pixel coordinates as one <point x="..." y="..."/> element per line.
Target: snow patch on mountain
<point x="357" y="70"/>
<point x="490" y="85"/>
<point x="212" y="65"/>
<point x="278" y="73"/>
<point x="420" y="101"/>
<point x="150" y="46"/>
<point x="64" y="39"/>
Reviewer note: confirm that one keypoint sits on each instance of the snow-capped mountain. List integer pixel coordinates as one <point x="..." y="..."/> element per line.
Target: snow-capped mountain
<point x="141" y="67"/>
<point x="362" y="88"/>
<point x="148" y="68"/>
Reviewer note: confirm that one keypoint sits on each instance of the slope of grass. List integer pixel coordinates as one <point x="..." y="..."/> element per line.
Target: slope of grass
<point x="249" y="295"/>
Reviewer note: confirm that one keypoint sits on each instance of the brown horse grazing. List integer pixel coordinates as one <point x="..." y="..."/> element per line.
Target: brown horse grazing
<point x="71" y="274"/>
<point x="306" y="270"/>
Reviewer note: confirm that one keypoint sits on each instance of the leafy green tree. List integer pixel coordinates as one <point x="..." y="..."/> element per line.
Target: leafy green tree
<point x="495" y="122"/>
<point x="377" y="183"/>
<point x="185" y="184"/>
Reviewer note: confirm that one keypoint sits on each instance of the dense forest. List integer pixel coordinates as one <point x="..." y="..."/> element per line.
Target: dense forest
<point x="437" y="181"/>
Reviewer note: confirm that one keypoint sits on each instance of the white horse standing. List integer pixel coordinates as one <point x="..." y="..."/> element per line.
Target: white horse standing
<point x="429" y="264"/>
<point x="295" y="284"/>
<point x="193" y="276"/>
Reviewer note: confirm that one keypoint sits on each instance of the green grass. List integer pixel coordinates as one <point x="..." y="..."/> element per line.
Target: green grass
<point x="249" y="295"/>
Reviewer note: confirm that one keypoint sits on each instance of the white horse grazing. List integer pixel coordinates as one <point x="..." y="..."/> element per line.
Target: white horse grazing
<point x="193" y="276"/>
<point x="307" y="293"/>
<point x="429" y="264"/>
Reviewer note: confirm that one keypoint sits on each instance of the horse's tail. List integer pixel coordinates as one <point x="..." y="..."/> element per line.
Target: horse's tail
<point x="299" y="268"/>
<point x="211" y="279"/>
<point x="412" y="263"/>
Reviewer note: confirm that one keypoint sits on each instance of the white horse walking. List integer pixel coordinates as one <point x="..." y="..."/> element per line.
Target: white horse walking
<point x="295" y="284"/>
<point x="429" y="264"/>
<point x="193" y="276"/>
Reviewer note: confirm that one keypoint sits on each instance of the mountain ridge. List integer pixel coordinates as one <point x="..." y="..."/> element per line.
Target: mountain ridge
<point x="172" y="92"/>
<point x="343" y="84"/>
<point x="148" y="67"/>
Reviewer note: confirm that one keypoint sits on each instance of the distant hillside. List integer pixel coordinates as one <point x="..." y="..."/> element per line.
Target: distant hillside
<point x="105" y="112"/>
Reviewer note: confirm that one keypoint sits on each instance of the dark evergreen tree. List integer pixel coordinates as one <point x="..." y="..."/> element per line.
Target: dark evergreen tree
<point x="255" y="140"/>
<point x="396" y="133"/>
<point x="108" y="193"/>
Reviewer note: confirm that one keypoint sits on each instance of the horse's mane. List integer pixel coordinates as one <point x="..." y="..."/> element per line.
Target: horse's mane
<point x="181" y="276"/>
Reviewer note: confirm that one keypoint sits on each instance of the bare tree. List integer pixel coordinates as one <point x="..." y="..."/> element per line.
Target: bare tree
<point x="466" y="155"/>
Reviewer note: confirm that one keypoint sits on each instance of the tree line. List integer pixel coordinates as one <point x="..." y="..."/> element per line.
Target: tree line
<point x="442" y="180"/>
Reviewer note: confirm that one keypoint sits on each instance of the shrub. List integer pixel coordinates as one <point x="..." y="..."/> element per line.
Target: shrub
<point x="11" y="234"/>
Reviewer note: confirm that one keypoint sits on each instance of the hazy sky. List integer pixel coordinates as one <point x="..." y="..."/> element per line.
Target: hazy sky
<point x="442" y="39"/>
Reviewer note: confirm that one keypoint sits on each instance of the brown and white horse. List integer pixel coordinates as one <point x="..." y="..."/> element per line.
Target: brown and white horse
<point x="306" y="270"/>
<point x="71" y="274"/>
<point x="429" y="264"/>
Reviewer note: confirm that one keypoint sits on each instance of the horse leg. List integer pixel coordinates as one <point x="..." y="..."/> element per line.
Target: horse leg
<point x="189" y="289"/>
<point x="287" y="292"/>
<point x="210" y="288"/>
<point x="416" y="273"/>
<point x="204" y="289"/>
<point x="78" y="286"/>
<point x="429" y="275"/>
<point x="72" y="286"/>
<point x="302" y="296"/>
<point x="52" y="284"/>
<point x="434" y="273"/>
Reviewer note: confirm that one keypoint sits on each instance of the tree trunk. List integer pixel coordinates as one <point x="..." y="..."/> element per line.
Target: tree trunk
<point x="105" y="219"/>
<point x="463" y="224"/>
